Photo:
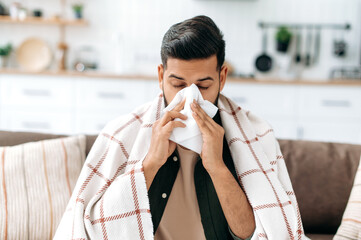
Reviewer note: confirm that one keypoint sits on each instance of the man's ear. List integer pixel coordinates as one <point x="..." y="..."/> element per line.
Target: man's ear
<point x="160" y="75"/>
<point x="223" y="77"/>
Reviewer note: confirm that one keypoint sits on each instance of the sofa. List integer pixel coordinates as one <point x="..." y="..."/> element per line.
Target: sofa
<point x="322" y="174"/>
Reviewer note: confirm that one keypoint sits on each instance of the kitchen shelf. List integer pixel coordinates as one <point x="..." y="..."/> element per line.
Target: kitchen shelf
<point x="346" y="26"/>
<point x="44" y="21"/>
<point x="115" y="76"/>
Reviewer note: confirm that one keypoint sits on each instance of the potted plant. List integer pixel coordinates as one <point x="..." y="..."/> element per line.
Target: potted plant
<point x="78" y="10"/>
<point x="283" y="38"/>
<point x="4" y="53"/>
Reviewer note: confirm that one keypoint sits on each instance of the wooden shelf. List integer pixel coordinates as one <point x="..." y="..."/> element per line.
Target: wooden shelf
<point x="115" y="76"/>
<point x="44" y="21"/>
<point x="325" y="82"/>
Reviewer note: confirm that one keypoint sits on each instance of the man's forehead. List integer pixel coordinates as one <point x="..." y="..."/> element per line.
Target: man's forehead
<point x="194" y="68"/>
<point x="210" y="62"/>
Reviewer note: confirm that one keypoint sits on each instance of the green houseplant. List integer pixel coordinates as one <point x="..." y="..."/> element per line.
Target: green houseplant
<point x="283" y="38"/>
<point x="78" y="10"/>
<point x="4" y="53"/>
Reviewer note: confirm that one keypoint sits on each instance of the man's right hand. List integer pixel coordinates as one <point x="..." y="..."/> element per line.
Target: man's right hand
<point x="160" y="146"/>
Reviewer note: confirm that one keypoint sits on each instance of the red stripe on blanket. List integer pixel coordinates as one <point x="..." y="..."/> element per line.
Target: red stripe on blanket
<point x="251" y="140"/>
<point x="116" y="217"/>
<point x="299" y="222"/>
<point x="136" y="117"/>
<point x="157" y="116"/>
<point x="265" y="133"/>
<point x="243" y="141"/>
<point x="261" y="167"/>
<point x="271" y="205"/>
<point x="136" y="203"/>
<point x="112" y="138"/>
<point x="262" y="235"/>
<point x="79" y="200"/>
<point x="232" y="112"/>
<point x="88" y="179"/>
<point x="98" y="173"/>
<point x="90" y="176"/>
<point x="254" y="171"/>
<point x="104" y="230"/>
<point x="278" y="157"/>
<point x="121" y="167"/>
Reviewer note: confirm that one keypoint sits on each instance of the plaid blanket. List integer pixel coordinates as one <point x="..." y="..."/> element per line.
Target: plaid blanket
<point x="110" y="199"/>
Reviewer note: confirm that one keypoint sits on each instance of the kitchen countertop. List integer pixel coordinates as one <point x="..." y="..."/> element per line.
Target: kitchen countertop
<point x="115" y="76"/>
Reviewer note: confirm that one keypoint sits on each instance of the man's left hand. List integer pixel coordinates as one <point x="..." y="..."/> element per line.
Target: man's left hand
<point x="212" y="134"/>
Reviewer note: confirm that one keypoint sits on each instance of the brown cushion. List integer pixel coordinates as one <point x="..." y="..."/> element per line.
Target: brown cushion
<point x="322" y="175"/>
<point x="9" y="138"/>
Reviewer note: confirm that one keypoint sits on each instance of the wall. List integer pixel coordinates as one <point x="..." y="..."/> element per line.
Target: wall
<point x="127" y="34"/>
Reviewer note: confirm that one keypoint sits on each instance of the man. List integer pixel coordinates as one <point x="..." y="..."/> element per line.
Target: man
<point x="138" y="184"/>
<point x="193" y="52"/>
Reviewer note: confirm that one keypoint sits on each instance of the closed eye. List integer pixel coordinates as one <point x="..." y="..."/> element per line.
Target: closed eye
<point x="181" y="86"/>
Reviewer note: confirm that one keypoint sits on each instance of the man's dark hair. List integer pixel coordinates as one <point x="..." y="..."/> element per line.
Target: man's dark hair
<point x="195" y="38"/>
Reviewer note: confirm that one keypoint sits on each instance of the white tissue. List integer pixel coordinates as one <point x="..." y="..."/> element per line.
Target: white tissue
<point x="190" y="136"/>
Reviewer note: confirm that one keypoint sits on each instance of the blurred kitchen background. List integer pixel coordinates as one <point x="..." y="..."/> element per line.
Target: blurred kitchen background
<point x="70" y="67"/>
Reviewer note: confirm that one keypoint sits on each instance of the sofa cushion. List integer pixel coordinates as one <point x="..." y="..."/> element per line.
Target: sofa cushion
<point x="322" y="176"/>
<point x="351" y="221"/>
<point x="37" y="179"/>
<point x="9" y="138"/>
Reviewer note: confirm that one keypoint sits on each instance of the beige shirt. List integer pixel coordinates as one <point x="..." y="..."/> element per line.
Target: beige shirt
<point x="181" y="218"/>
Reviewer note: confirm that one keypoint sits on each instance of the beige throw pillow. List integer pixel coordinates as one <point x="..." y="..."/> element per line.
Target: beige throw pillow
<point x="36" y="182"/>
<point x="351" y="220"/>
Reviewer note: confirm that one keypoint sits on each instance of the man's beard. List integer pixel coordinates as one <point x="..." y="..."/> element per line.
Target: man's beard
<point x="166" y="103"/>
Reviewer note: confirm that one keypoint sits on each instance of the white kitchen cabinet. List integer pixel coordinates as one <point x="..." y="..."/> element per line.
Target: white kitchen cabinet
<point x="98" y="101"/>
<point x="275" y="104"/>
<point x="85" y="105"/>
<point x="60" y="122"/>
<point x="330" y="102"/>
<point x="270" y="100"/>
<point x="90" y="119"/>
<point x="36" y="103"/>
<point x="285" y="128"/>
<point x="344" y="132"/>
<point x="331" y="113"/>
<point x="100" y="94"/>
<point x="319" y="113"/>
<point x="40" y="92"/>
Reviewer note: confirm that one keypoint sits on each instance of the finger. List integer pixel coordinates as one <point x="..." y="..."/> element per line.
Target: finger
<point x="180" y="105"/>
<point x="195" y="107"/>
<point x="203" y="127"/>
<point x="171" y="115"/>
<point x="202" y="115"/>
<point x="168" y="128"/>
